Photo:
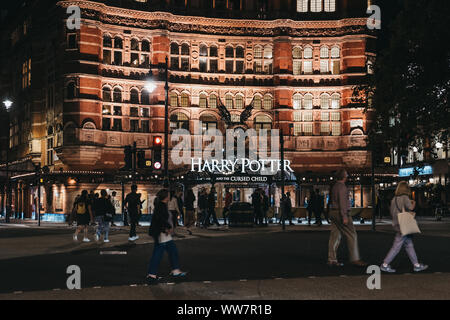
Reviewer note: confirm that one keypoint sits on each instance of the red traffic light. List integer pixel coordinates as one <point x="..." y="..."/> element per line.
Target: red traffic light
<point x="157" y="141"/>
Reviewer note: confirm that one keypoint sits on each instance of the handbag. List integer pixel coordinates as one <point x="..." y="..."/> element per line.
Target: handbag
<point x="407" y="222"/>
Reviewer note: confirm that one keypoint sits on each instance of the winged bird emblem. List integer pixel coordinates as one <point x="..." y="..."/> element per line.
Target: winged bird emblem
<point x="224" y="113"/>
<point x="246" y="113"/>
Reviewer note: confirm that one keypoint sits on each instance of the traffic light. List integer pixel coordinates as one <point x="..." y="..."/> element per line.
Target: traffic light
<point x="128" y="158"/>
<point x="141" y="159"/>
<point x="157" y="152"/>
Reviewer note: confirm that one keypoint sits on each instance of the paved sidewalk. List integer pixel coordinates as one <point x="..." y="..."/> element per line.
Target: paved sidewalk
<point x="393" y="287"/>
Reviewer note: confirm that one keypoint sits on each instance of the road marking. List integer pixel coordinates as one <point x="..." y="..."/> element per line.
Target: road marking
<point x="113" y="252"/>
<point x="278" y="278"/>
<point x="312" y="277"/>
<point x="343" y="276"/>
<point x="170" y="283"/>
<point x="243" y="280"/>
<point x="57" y="289"/>
<point x="133" y="285"/>
<point x="18" y="292"/>
<point x="206" y="281"/>
<point x="97" y="287"/>
<point x="438" y="273"/>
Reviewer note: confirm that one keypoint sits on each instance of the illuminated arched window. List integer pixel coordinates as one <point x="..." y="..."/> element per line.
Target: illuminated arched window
<point x="184" y="100"/>
<point x="239" y="102"/>
<point x="336" y="101"/>
<point x="335" y="52"/>
<point x="263" y="122"/>
<point x="257" y="103"/>
<point x="297" y="53"/>
<point x="212" y="101"/>
<point x="330" y="5"/>
<point x="302" y="5"/>
<point x="324" y="52"/>
<point x="308" y="101"/>
<point x="268" y="102"/>
<point x="179" y="120"/>
<point x="229" y="101"/>
<point x="258" y="52"/>
<point x="296" y="60"/>
<point x="297" y="101"/>
<point x="203" y="102"/>
<point x="173" y="99"/>
<point x="316" y="5"/>
<point x="268" y="52"/>
<point x="308" y="53"/>
<point x="325" y="101"/>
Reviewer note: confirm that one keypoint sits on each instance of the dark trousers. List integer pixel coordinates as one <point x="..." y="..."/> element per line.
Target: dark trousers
<point x="158" y="252"/>
<point x="211" y="213"/>
<point x="310" y="213"/>
<point x="134" y="219"/>
<point x="225" y="213"/>
<point x="258" y="216"/>
<point x="318" y="215"/>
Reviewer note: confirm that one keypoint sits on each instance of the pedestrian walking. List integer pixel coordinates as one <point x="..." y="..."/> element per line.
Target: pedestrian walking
<point x="133" y="203"/>
<point x="265" y="206"/>
<point x="342" y="223"/>
<point x="310" y="206"/>
<point x="103" y="216"/>
<point x="161" y="230"/>
<point x="318" y="207"/>
<point x="401" y="202"/>
<point x="257" y="204"/>
<point x="84" y="216"/>
<point x="115" y="204"/>
<point x="226" y="208"/>
<point x="189" y="200"/>
<point x="203" y="208"/>
<point x="289" y="208"/>
<point x="211" y="201"/>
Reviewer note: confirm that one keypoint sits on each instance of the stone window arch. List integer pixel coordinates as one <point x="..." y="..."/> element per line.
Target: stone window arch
<point x="308" y="101"/>
<point x="257" y="102"/>
<point x="212" y="100"/>
<point x="336" y="101"/>
<point x="229" y="101"/>
<point x="324" y="52"/>
<point x="203" y="101"/>
<point x="134" y="96"/>
<point x="325" y="101"/>
<point x="239" y="101"/>
<point x="268" y="102"/>
<point x="134" y="45"/>
<point x="335" y="52"/>
<point x="297" y="101"/>
<point x="117" y="95"/>
<point x="145" y="97"/>
<point x="229" y="52"/>
<point x="106" y="94"/>
<point x="173" y="99"/>
<point x="145" y="45"/>
<point x="118" y="42"/>
<point x="185" y="100"/>
<point x="107" y="41"/>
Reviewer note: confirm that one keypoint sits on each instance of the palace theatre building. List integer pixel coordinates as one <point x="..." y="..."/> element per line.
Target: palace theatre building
<point x="80" y="95"/>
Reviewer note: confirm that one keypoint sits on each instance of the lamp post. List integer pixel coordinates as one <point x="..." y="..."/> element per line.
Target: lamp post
<point x="150" y="87"/>
<point x="8" y="104"/>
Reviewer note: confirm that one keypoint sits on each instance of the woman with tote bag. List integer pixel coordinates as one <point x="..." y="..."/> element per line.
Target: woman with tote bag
<point x="400" y="204"/>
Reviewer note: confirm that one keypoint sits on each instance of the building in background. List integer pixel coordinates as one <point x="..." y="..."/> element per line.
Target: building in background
<point x="80" y="98"/>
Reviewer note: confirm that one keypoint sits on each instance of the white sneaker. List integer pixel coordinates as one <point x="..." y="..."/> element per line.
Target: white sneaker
<point x="97" y="237"/>
<point x="131" y="238"/>
<point x="105" y="240"/>
<point x="136" y="237"/>
<point x="86" y="240"/>
<point x="75" y="238"/>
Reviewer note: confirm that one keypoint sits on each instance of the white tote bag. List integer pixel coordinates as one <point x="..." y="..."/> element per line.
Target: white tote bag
<point x="407" y="222"/>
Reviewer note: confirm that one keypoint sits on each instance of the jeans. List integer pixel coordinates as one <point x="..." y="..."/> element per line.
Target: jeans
<point x="134" y="219"/>
<point x="399" y="242"/>
<point x="158" y="252"/>
<point x="103" y="226"/>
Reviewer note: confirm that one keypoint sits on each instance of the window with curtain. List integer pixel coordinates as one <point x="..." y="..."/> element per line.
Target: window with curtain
<point x="324" y="101"/>
<point x="203" y="102"/>
<point x="184" y="100"/>
<point x="229" y="101"/>
<point x="336" y="101"/>
<point x="267" y="102"/>
<point x="173" y="99"/>
<point x="308" y="101"/>
<point x="316" y="5"/>
<point x="212" y="101"/>
<point x="330" y="5"/>
<point x="302" y="5"/>
<point x="239" y="102"/>
<point x="257" y="103"/>
<point x="297" y="101"/>
<point x="297" y="60"/>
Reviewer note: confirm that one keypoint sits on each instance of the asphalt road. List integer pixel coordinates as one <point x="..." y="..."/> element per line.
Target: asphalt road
<point x="253" y="256"/>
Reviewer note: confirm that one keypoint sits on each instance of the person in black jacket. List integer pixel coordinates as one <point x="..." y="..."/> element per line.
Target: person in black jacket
<point x="211" y="208"/>
<point x="162" y="229"/>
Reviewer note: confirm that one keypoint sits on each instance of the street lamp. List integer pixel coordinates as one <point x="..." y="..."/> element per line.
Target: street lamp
<point x="8" y="104"/>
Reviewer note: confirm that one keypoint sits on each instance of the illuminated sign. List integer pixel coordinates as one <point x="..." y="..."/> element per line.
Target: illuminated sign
<point x="406" y="172"/>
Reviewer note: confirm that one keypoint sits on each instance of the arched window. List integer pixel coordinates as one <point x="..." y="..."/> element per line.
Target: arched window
<point x="145" y="97"/>
<point x="174" y="48"/>
<point x="179" y="120"/>
<point x="213" y="51"/>
<point x="209" y="122"/>
<point x="107" y="41"/>
<point x="184" y="100"/>
<point x="257" y="103"/>
<point x="336" y="101"/>
<point x="335" y="52"/>
<point x="203" y="51"/>
<point x="173" y="99"/>
<point x="106" y="94"/>
<point x="316" y="5"/>
<point x="118" y="43"/>
<point x="308" y="101"/>
<point x="325" y="101"/>
<point x="239" y="52"/>
<point x="203" y="102"/>
<point x="302" y="5"/>
<point x="268" y="102"/>
<point x="330" y="5"/>
<point x="229" y="101"/>
<point x="145" y="46"/>
<point x="117" y="95"/>
<point x="258" y="53"/>
<point x="297" y="53"/>
<point x="135" y="44"/>
<point x="185" y="51"/>
<point x="134" y="96"/>
<point x="239" y="102"/>
<point x="229" y="52"/>
<point x="262" y="122"/>
<point x="268" y="52"/>
<point x="324" y="52"/>
<point x="71" y="90"/>
<point x="297" y="101"/>
<point x="212" y="101"/>
<point x="308" y="53"/>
